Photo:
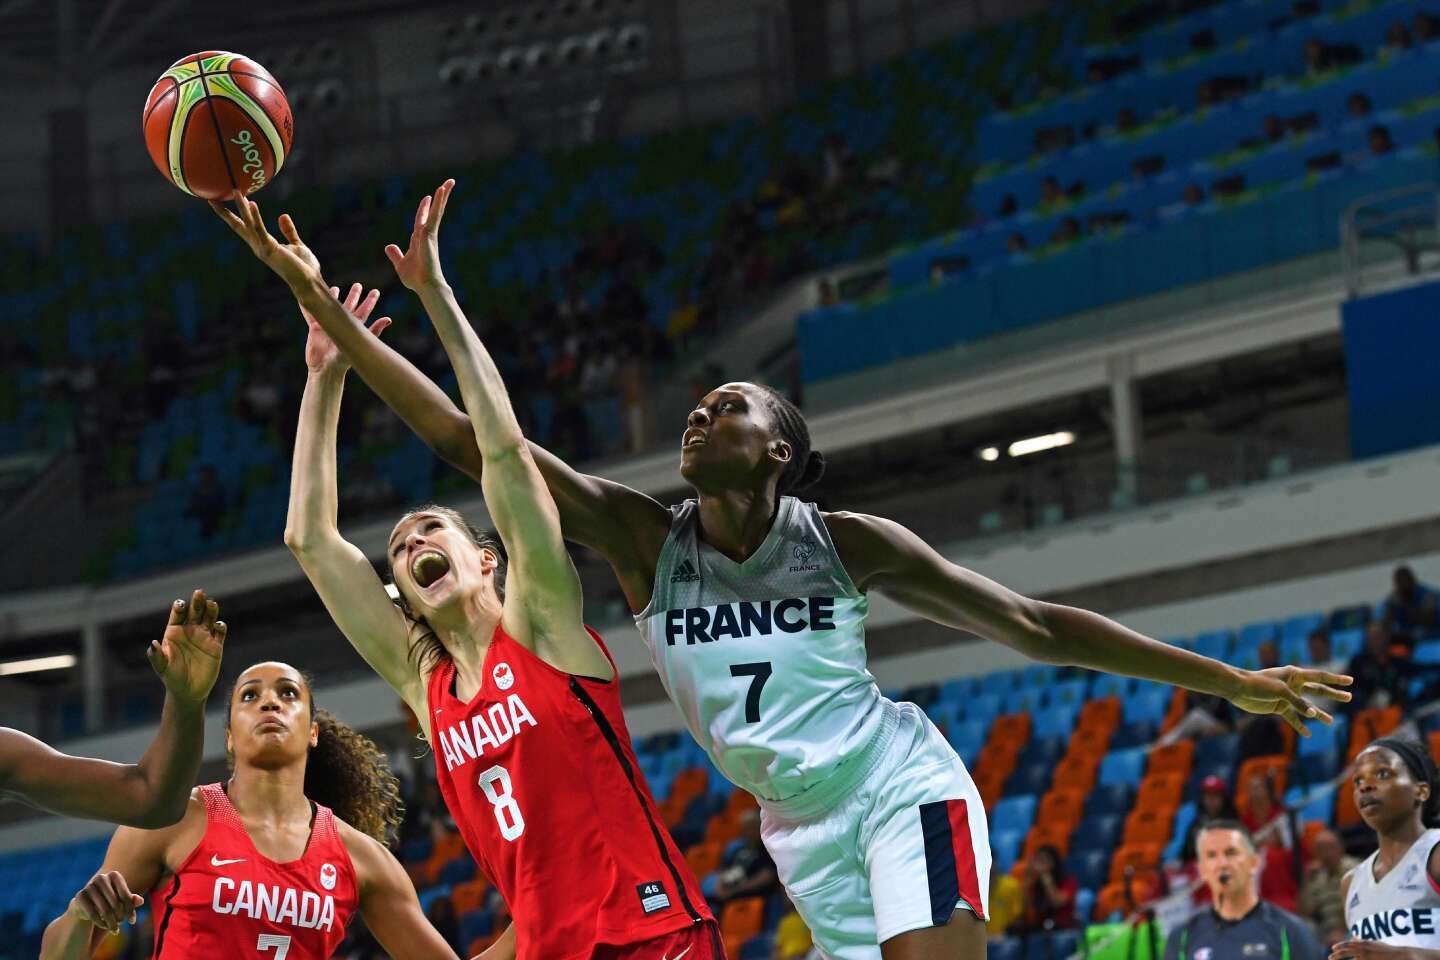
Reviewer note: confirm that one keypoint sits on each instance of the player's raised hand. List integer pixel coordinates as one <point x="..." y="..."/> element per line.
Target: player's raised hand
<point x="106" y="902"/>
<point x="296" y="264"/>
<point x="419" y="265"/>
<point x="321" y="354"/>
<point x="187" y="655"/>
<point x="1282" y="691"/>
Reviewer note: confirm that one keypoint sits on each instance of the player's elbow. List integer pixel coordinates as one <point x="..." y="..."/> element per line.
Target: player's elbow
<point x="1027" y="631"/>
<point x="304" y="540"/>
<point x="155" y="808"/>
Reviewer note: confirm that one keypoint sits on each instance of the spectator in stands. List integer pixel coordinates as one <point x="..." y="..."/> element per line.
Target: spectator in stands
<point x="207" y="503"/>
<point x="1225" y="87"/>
<point x="1380" y="676"/>
<point x="792" y="937"/>
<point x="1397" y="37"/>
<point x="1274" y="128"/>
<point x="1194" y="195"/>
<point x="748" y="871"/>
<point x="1126" y="121"/>
<point x="1066" y="231"/>
<point x="1357" y="105"/>
<point x="1015" y="243"/>
<point x="1269" y="825"/>
<point x="1238" y="923"/>
<point x="1427" y="27"/>
<point x="1216" y="804"/>
<point x="1320" y="899"/>
<point x="1007" y="903"/>
<point x="1049" y="892"/>
<point x="837" y="163"/>
<point x="1322" y="57"/>
<point x="1411" y="608"/>
<point x="1008" y="206"/>
<point x="442" y="917"/>
<point x="1380" y="141"/>
<point x="1321" y="655"/>
<point x="1051" y="195"/>
<point x="1106" y="69"/>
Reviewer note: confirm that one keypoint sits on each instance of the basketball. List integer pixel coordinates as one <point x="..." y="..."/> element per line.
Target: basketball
<point x="216" y="123"/>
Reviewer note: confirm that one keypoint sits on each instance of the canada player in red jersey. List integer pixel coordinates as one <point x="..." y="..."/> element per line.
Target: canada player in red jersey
<point x="518" y="697"/>
<point x="275" y="862"/>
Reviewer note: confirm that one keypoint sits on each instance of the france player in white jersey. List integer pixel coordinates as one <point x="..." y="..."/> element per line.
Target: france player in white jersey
<point x="753" y="604"/>
<point x="1392" y="899"/>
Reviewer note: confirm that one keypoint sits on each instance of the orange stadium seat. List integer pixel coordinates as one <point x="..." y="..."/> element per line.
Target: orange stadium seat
<point x="1063" y="804"/>
<point x="1114" y="896"/>
<point x="1151" y="825"/>
<point x="722" y="828"/>
<point x="1346" y="813"/>
<point x="1099" y="715"/>
<point x="1160" y="790"/>
<point x="740" y="801"/>
<point x="704" y="857"/>
<point x="739" y="921"/>
<point x="1011" y="728"/>
<point x="1142" y="857"/>
<point x="1275" y="768"/>
<point x="469" y="895"/>
<point x="1044" y="834"/>
<point x="1179" y="704"/>
<point x="1175" y="758"/>
<point x="690" y="783"/>
<point x="1370" y="725"/>
<point x="1077" y="772"/>
<point x="1434" y="740"/>
<point x="991" y="786"/>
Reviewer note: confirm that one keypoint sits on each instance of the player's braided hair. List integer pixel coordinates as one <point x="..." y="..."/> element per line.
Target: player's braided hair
<point x="806" y="466"/>
<point x="423" y="646"/>
<point x="348" y="773"/>
<point x="1422" y="767"/>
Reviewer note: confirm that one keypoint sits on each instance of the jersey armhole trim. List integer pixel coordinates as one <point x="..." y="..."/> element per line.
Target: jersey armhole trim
<point x="849" y="584"/>
<point x="676" y="512"/>
<point x="1434" y="884"/>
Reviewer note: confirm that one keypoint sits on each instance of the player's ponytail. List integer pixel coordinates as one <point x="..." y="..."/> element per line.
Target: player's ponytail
<point x="349" y="774"/>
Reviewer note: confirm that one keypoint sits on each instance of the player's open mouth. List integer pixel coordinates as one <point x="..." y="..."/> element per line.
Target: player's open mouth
<point x="429" y="568"/>
<point x="692" y="438"/>
<point x="1367" y="803"/>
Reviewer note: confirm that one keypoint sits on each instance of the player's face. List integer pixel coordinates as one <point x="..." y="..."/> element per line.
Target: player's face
<point x="270" y="716"/>
<point x="729" y="440"/>
<point x="1226" y="862"/>
<point x="1386" y="793"/>
<point x="434" y="562"/>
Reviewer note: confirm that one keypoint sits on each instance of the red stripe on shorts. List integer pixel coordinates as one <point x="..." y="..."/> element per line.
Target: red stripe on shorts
<point x="969" y="881"/>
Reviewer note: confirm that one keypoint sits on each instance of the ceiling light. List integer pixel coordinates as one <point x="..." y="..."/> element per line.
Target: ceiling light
<point x="989" y="454"/>
<point x="36" y="664"/>
<point x="1036" y="444"/>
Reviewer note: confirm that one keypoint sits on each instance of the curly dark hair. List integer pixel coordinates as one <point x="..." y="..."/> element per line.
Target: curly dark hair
<point x="424" y="649"/>
<point x="347" y="772"/>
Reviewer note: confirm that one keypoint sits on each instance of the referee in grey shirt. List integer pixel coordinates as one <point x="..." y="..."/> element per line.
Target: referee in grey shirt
<point x="1238" y="925"/>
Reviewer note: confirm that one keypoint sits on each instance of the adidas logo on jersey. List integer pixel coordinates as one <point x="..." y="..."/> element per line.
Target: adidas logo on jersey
<point x="684" y="573"/>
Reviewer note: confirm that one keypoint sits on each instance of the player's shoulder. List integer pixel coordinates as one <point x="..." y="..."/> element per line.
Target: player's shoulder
<point x="368" y="856"/>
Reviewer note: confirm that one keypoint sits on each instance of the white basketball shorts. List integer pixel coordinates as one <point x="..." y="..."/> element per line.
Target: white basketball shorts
<point x="903" y="850"/>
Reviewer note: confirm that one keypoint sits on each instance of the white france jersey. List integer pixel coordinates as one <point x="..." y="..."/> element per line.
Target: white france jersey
<point x="1403" y="908"/>
<point x="766" y="658"/>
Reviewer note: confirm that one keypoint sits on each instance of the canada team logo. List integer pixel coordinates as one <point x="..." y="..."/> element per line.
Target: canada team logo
<point x="504" y="676"/>
<point x="327" y="876"/>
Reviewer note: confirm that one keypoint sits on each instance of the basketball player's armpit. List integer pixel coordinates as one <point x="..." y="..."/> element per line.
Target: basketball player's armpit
<point x="502" y="949"/>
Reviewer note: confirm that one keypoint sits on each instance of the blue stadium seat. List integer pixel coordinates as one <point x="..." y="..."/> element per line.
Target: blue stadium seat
<point x="1058" y="945"/>
<point x="1324" y="737"/>
<point x="1090" y="867"/>
<point x="1110" y="685"/>
<point x="1084" y="904"/>
<point x="459" y="870"/>
<point x="1005" y="848"/>
<point x="1215" y="644"/>
<point x="1138" y="734"/>
<point x="1427" y="652"/>
<point x="1031" y="779"/>
<point x="430" y="894"/>
<point x="1055" y="722"/>
<point x="1039" y="675"/>
<point x="1025" y="700"/>
<point x="982" y="709"/>
<point x="1014" y="814"/>
<point x="474" y="924"/>
<point x="1007" y="948"/>
<point x="1109" y="799"/>
<point x="1254" y="634"/>
<point x="1045" y="749"/>
<point x="1302" y="625"/>
<point x="1149" y="704"/>
<point x="1067" y="693"/>
<point x="1344" y="644"/>
<point x="922" y="695"/>
<point x="758" y="947"/>
<point x="1122" y="766"/>
<point x="1099" y="831"/>
<point x="1218" y="751"/>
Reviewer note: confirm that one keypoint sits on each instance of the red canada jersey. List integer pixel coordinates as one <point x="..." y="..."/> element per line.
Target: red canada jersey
<point x="228" y="901"/>
<point x="538" y="772"/>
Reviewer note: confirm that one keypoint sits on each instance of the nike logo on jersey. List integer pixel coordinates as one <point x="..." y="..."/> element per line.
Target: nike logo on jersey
<point x="746" y="619"/>
<point x="215" y="861"/>
<point x="666" y="956"/>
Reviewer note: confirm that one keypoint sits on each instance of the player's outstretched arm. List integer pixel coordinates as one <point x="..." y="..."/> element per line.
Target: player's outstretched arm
<point x="883" y="555"/>
<point x="389" y="904"/>
<point x="594" y="512"/>
<point x="134" y="861"/>
<point x="340" y="572"/>
<point x="150" y="793"/>
<point x="542" y="591"/>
